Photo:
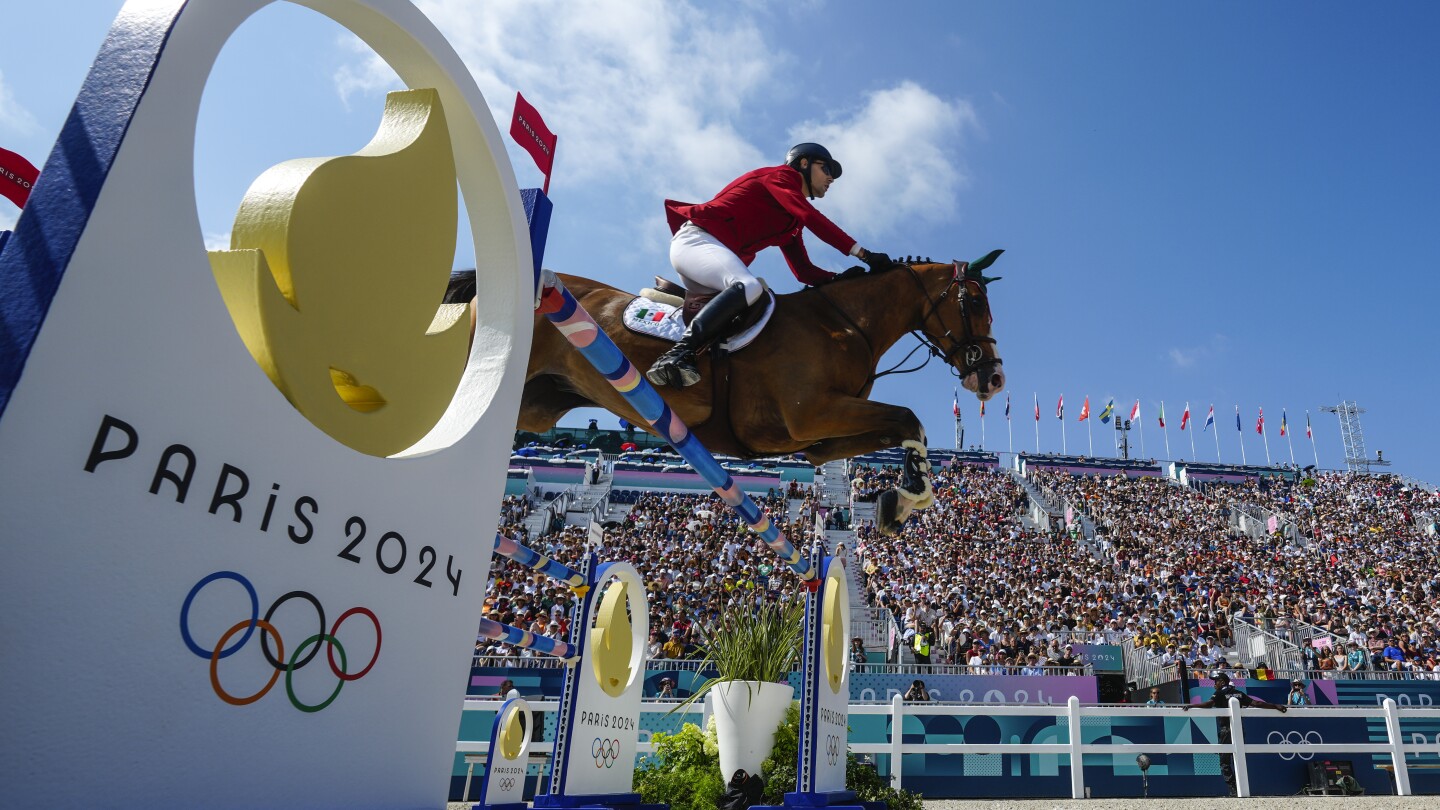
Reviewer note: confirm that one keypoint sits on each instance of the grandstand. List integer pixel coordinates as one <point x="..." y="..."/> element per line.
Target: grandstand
<point x="1180" y="565"/>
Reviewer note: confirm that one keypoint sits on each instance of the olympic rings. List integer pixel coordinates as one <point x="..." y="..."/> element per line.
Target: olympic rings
<point x="340" y="673"/>
<point x="276" y="660"/>
<point x="1297" y="739"/>
<point x="507" y="784"/>
<point x="606" y="752"/>
<point x="264" y="645"/>
<point x="190" y="597"/>
<point x="217" y="655"/>
<point x="290" y="672"/>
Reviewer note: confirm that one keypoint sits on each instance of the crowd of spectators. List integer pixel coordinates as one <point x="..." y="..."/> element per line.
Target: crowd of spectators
<point x="1169" y="573"/>
<point x="972" y="582"/>
<point x="697" y="560"/>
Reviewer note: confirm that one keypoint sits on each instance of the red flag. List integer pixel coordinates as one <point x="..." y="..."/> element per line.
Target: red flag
<point x="1260" y="422"/>
<point x="1185" y="417"/>
<point x="1084" y="410"/>
<point x="529" y="130"/>
<point x="17" y="177"/>
<point x="1060" y="408"/>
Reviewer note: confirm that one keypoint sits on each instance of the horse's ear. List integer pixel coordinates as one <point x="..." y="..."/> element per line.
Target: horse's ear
<point x="982" y="263"/>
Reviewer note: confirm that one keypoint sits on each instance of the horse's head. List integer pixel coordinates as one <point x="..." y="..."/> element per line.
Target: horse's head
<point x="956" y="321"/>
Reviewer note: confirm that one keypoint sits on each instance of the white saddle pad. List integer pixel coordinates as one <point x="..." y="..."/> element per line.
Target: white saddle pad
<point x="665" y="322"/>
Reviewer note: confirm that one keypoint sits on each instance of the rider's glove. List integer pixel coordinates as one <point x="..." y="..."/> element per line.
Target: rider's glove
<point x="853" y="272"/>
<point x="876" y="261"/>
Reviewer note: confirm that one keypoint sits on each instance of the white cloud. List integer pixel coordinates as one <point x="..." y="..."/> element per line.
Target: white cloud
<point x="14" y="118"/>
<point x="1188" y="356"/>
<point x="632" y="84"/>
<point x="655" y="94"/>
<point x="901" y="158"/>
<point x="8" y="217"/>
<point x="366" y="74"/>
<point x="217" y="241"/>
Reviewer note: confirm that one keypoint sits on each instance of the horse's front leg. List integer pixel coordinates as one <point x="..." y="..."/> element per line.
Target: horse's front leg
<point x="852" y="426"/>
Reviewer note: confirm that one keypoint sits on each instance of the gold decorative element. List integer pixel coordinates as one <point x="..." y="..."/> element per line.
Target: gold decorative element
<point x="512" y="734"/>
<point x="335" y="274"/>
<point x="612" y="642"/>
<point x="832" y="627"/>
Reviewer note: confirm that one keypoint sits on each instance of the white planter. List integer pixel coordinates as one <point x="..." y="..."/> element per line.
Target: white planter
<point x="746" y="716"/>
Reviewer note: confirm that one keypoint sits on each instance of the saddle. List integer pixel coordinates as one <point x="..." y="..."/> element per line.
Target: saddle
<point x="665" y="310"/>
<point x="694" y="301"/>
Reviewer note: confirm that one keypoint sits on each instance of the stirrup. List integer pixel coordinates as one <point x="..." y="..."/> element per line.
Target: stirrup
<point x="674" y="369"/>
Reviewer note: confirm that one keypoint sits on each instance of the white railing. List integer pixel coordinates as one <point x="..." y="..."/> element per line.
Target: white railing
<point x="1072" y="713"/>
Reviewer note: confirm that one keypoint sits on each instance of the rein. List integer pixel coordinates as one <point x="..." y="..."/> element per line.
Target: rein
<point x="925" y="341"/>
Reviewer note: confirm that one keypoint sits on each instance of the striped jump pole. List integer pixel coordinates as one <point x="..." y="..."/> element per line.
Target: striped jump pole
<point x="514" y="636"/>
<point x="535" y="561"/>
<point x="560" y="307"/>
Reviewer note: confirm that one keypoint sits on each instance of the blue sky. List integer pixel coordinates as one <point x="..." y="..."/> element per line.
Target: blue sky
<point x="1229" y="203"/>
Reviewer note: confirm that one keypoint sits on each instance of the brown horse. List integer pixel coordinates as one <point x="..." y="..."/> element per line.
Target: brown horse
<point x="803" y="385"/>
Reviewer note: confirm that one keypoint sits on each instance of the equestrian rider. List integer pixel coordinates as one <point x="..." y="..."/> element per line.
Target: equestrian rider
<point x="715" y="242"/>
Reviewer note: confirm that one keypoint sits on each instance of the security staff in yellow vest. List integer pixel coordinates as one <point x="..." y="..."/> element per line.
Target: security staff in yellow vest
<point x="922" y="647"/>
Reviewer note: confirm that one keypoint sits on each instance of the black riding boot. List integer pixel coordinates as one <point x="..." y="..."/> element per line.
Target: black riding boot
<point x="713" y="323"/>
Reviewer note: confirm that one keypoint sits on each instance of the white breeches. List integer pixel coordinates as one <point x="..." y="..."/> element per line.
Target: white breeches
<point x="704" y="263"/>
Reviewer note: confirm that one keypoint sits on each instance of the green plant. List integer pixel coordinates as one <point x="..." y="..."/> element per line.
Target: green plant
<point x="752" y="643"/>
<point x="684" y="771"/>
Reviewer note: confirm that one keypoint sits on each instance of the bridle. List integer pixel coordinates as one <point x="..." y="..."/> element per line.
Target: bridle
<point x="969" y="343"/>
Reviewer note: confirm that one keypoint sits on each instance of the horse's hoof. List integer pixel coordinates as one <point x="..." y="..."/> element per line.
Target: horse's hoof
<point x="886" y="508"/>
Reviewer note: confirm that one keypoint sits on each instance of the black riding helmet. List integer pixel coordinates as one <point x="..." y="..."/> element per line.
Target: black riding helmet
<point x="812" y="152"/>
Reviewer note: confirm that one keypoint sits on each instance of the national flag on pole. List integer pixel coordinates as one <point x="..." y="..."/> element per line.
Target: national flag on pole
<point x="1185" y="417"/>
<point x="1238" y="428"/>
<point x="1162" y="414"/>
<point x="17" y="177"/>
<point x="1037" y="407"/>
<point x="1308" y="434"/>
<point x="1084" y="410"/>
<point x="1209" y="418"/>
<point x="529" y="130"/>
<point x="1007" y="407"/>
<point x="1135" y="412"/>
<point x="1108" y="411"/>
<point x="1284" y="423"/>
<point x="1260" y="422"/>
<point x="957" y="405"/>
<point x="1060" y="408"/>
<point x="982" y="409"/>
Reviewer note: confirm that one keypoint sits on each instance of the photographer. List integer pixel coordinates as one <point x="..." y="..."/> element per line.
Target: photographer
<point x="917" y="692"/>
<point x="1297" y="696"/>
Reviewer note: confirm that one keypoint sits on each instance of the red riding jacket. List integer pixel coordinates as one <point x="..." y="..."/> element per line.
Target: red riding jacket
<point x="760" y="209"/>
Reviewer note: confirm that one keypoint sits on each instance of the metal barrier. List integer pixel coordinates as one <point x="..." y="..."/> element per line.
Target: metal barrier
<point x="1073" y="713"/>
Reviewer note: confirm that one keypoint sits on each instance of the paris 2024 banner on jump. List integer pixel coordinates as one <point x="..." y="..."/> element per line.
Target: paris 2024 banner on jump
<point x="241" y="493"/>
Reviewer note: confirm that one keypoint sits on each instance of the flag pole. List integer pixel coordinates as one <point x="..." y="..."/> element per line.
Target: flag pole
<point x="1089" y="434"/>
<point x="1217" y="436"/>
<point x="1165" y="429"/>
<point x="1037" y="421"/>
<point x="1009" y="427"/>
<point x="1239" y="431"/>
<point x="1289" y="441"/>
<point x="1064" y="446"/>
<point x="1311" y="433"/>
<point x="1264" y="434"/>
<point x="1141" y="420"/>
<point x="1193" y="455"/>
